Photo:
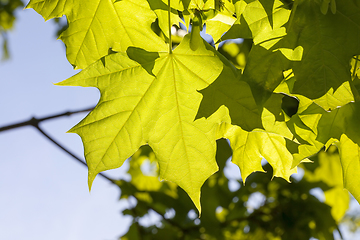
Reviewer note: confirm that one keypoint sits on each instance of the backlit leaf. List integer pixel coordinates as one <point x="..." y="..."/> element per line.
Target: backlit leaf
<point x="329" y="171"/>
<point x="95" y="26"/>
<point x="350" y="162"/>
<point x="152" y="99"/>
<point x="297" y="89"/>
<point x="325" y="63"/>
<point x="250" y="147"/>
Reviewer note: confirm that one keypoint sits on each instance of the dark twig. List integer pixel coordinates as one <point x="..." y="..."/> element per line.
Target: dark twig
<point x="35" y="121"/>
<point x="171" y="222"/>
<point x="68" y="152"/>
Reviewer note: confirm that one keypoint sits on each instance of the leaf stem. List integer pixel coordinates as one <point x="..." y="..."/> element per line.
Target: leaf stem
<point x="355" y="66"/>
<point x="170" y="41"/>
<point x="33" y="121"/>
<point x="292" y="14"/>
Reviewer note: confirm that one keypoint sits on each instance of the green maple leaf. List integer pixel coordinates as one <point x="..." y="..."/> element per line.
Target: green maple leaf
<point x="260" y="20"/>
<point x="95" y="26"/>
<point x="236" y="95"/>
<point x="344" y="120"/>
<point x="329" y="42"/>
<point x="218" y="25"/>
<point x="304" y="124"/>
<point x="7" y="18"/>
<point x="321" y="128"/>
<point x="329" y="171"/>
<point x="324" y="45"/>
<point x="264" y="72"/>
<point x="161" y="10"/>
<point x="151" y="98"/>
<point x="249" y="148"/>
<point x="350" y="162"/>
<point x="222" y="21"/>
<point x="304" y="128"/>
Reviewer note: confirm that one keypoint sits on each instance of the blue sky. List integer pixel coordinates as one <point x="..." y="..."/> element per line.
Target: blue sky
<point x="43" y="191"/>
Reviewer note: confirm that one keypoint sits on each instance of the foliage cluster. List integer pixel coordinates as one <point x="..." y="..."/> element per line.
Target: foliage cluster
<point x="281" y="210"/>
<point x="7" y="18"/>
<point x="286" y="93"/>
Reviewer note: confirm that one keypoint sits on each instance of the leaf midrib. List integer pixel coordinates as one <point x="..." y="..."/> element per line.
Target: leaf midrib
<point x="117" y="134"/>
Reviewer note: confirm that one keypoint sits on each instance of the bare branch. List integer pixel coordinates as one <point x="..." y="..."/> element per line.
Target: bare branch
<point x="35" y="121"/>
<point x="68" y="152"/>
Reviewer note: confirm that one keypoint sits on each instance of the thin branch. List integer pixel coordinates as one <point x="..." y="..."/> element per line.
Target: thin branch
<point x="35" y="121"/>
<point x="68" y="152"/>
<point x="355" y="66"/>
<point x="170" y="221"/>
<point x="169" y="21"/>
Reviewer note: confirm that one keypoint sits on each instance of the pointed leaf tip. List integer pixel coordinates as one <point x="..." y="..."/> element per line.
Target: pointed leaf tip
<point x="350" y="162"/>
<point x="152" y="100"/>
<point x="91" y="178"/>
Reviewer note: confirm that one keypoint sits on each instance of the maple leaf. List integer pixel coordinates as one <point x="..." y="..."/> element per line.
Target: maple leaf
<point x="260" y="20"/>
<point x="222" y="20"/>
<point x="95" y="26"/>
<point x="350" y="162"/>
<point x="162" y="12"/>
<point x="236" y="95"/>
<point x="329" y="171"/>
<point x="329" y="41"/>
<point x="344" y="120"/>
<point x="321" y="128"/>
<point x="249" y="148"/>
<point x="151" y="98"/>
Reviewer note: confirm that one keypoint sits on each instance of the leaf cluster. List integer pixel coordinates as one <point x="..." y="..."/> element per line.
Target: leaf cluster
<point x="282" y="210"/>
<point x="7" y="18"/>
<point x="287" y="91"/>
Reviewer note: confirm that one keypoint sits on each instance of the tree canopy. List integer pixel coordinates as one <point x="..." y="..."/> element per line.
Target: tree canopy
<point x="288" y="92"/>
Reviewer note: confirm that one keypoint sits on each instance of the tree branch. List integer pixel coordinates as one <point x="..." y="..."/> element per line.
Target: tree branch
<point x="35" y="123"/>
<point x="68" y="152"/>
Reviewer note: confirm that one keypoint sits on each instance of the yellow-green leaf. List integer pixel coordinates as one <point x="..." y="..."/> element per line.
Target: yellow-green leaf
<point x="151" y="98"/>
<point x="95" y="26"/>
<point x="329" y="171"/>
<point x="350" y="162"/>
<point x="249" y="148"/>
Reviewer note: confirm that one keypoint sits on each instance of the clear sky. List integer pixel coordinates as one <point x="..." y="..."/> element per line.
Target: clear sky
<point x="43" y="191"/>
